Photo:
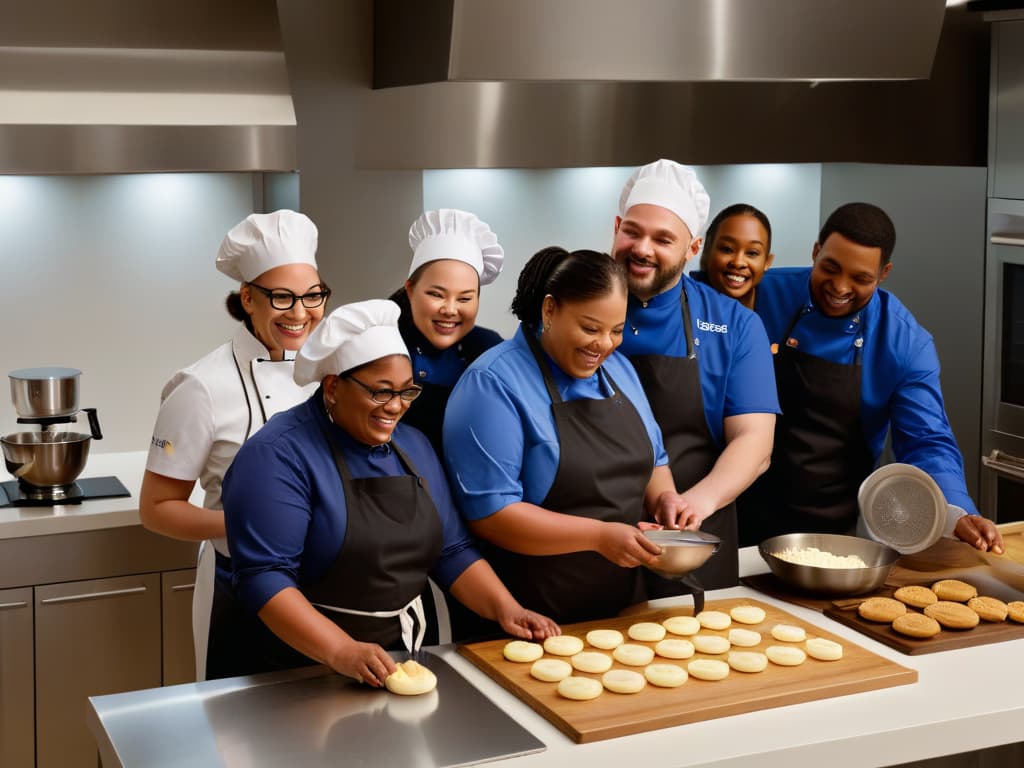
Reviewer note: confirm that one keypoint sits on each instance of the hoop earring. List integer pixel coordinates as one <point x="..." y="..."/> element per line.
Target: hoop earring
<point x="327" y="408"/>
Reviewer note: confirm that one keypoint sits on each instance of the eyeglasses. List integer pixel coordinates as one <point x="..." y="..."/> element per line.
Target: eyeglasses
<point x="283" y="299"/>
<point x="385" y="396"/>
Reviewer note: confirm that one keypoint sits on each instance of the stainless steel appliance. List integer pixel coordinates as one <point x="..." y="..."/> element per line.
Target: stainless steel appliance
<point x="47" y="463"/>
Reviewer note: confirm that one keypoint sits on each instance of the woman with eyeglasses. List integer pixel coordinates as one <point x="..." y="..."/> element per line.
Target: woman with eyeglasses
<point x="210" y="408"/>
<point x="336" y="513"/>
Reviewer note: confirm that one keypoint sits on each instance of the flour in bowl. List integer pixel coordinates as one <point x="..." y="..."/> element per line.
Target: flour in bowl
<point x="820" y="558"/>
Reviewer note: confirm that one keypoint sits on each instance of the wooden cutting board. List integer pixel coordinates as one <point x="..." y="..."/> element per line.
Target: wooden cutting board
<point x="611" y="714"/>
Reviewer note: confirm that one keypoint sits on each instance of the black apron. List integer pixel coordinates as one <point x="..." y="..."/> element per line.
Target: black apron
<point x="672" y="385"/>
<point x="820" y="456"/>
<point x="605" y="463"/>
<point x="392" y="538"/>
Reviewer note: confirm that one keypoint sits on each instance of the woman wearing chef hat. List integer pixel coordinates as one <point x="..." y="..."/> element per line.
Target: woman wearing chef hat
<point x="210" y="408"/>
<point x="454" y="255"/>
<point x="336" y="513"/>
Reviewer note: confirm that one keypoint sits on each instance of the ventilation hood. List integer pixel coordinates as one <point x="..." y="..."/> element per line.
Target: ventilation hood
<point x="420" y="41"/>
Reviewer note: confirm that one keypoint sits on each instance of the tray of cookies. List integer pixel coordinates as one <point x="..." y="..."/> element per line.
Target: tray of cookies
<point x="656" y="669"/>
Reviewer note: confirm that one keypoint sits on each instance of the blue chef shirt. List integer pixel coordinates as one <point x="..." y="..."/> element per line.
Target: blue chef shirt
<point x="899" y="375"/>
<point x="501" y="444"/>
<point x="735" y="362"/>
<point x="284" y="506"/>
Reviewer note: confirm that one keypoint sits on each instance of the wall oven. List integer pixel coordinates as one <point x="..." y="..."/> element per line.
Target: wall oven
<point x="1002" y="439"/>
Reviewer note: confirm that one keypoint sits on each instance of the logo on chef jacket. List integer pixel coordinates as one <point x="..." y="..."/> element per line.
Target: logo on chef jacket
<point x="165" y="445"/>
<point x="704" y="325"/>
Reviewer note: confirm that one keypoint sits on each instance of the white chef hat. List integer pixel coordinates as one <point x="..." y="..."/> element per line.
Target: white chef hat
<point x="263" y="241"/>
<point x="449" y="233"/>
<point x="349" y="337"/>
<point x="672" y="186"/>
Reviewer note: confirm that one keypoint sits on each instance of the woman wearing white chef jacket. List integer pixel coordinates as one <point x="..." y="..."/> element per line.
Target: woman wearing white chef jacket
<point x="336" y="513"/>
<point x="210" y="408"/>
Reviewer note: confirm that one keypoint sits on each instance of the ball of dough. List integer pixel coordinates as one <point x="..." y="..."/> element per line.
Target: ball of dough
<point x="580" y="688"/>
<point x="646" y="631"/>
<point x="633" y="655"/>
<point x="747" y="661"/>
<point x="744" y="638"/>
<point x="747" y="614"/>
<point x="714" y="619"/>
<point x="665" y="675"/>
<point x="823" y="649"/>
<point x="713" y="644"/>
<point x="674" y="648"/>
<point x="410" y="678"/>
<point x="550" y="670"/>
<point x="788" y="633"/>
<point x="591" y="661"/>
<point x="623" y="681"/>
<point x="785" y="655"/>
<point x="708" y="669"/>
<point x="682" y="625"/>
<point x="521" y="651"/>
<point x="563" y="645"/>
<point x="605" y="638"/>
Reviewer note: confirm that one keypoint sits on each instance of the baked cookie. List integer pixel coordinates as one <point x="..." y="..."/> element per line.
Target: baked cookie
<point x="952" y="615"/>
<point x="988" y="608"/>
<point x="916" y="625"/>
<point x="954" y="590"/>
<point x="881" y="609"/>
<point x="1015" y="611"/>
<point x="916" y="596"/>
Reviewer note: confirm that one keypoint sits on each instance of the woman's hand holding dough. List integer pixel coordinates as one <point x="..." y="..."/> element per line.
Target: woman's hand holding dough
<point x="367" y="662"/>
<point x="625" y="545"/>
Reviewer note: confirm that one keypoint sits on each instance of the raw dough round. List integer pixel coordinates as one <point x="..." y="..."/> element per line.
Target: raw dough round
<point x="591" y="661"/>
<point x="713" y="644"/>
<point x="747" y="614"/>
<point x="633" y="655"/>
<point x="708" y="669"/>
<point x="410" y="678"/>
<point x="682" y="625"/>
<point x="823" y="649"/>
<point x="580" y="688"/>
<point x="665" y="675"/>
<point x="623" y="681"/>
<point x="551" y="670"/>
<point x="646" y="631"/>
<point x="714" y="619"/>
<point x="674" y="648"/>
<point x="605" y="638"/>
<point x="785" y="655"/>
<point x="788" y="633"/>
<point x="522" y="651"/>
<point x="748" y="661"/>
<point x="744" y="638"/>
<point x="563" y="645"/>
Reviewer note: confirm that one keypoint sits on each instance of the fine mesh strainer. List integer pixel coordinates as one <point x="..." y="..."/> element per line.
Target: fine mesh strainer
<point x="902" y="507"/>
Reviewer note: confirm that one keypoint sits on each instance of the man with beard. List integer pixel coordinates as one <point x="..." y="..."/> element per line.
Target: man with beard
<point x="703" y="360"/>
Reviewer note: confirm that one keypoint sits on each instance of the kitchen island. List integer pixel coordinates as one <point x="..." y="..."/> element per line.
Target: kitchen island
<point x="964" y="700"/>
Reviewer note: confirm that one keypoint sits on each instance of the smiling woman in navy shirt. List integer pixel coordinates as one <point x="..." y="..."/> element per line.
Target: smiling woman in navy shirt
<point x="336" y="513"/>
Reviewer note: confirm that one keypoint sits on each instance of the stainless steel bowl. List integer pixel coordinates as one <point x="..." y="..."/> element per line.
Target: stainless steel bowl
<point x="830" y="581"/>
<point x="46" y="459"/>
<point x="44" y="392"/>
<point x="681" y="551"/>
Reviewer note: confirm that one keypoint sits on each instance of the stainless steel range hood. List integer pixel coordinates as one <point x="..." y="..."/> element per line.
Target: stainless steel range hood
<point x="419" y="41"/>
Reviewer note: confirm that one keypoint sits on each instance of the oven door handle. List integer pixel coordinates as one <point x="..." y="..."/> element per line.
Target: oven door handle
<point x="1007" y="238"/>
<point x="1005" y="464"/>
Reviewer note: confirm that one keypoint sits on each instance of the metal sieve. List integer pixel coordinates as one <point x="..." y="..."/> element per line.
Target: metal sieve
<point x="902" y="507"/>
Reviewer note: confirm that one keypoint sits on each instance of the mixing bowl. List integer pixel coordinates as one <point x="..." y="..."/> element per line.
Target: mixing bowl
<point x="821" y="580"/>
<point x="682" y="551"/>
<point x="46" y="459"/>
<point x="44" y="392"/>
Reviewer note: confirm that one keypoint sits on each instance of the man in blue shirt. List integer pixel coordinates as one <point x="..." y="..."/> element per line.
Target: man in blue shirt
<point x="851" y="365"/>
<point x="702" y="358"/>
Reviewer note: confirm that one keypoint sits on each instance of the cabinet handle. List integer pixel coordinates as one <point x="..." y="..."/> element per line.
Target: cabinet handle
<point x="22" y="604"/>
<point x="1007" y="239"/>
<point x="1004" y="464"/>
<point x="182" y="587"/>
<point x="92" y="595"/>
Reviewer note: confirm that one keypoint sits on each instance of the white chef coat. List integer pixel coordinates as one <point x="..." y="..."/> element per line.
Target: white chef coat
<point x="206" y="412"/>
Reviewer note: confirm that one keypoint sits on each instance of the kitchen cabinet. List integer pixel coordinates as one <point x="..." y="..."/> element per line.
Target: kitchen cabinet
<point x="91" y="637"/>
<point x="179" y="657"/>
<point x="17" y="699"/>
<point x="1006" y="129"/>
